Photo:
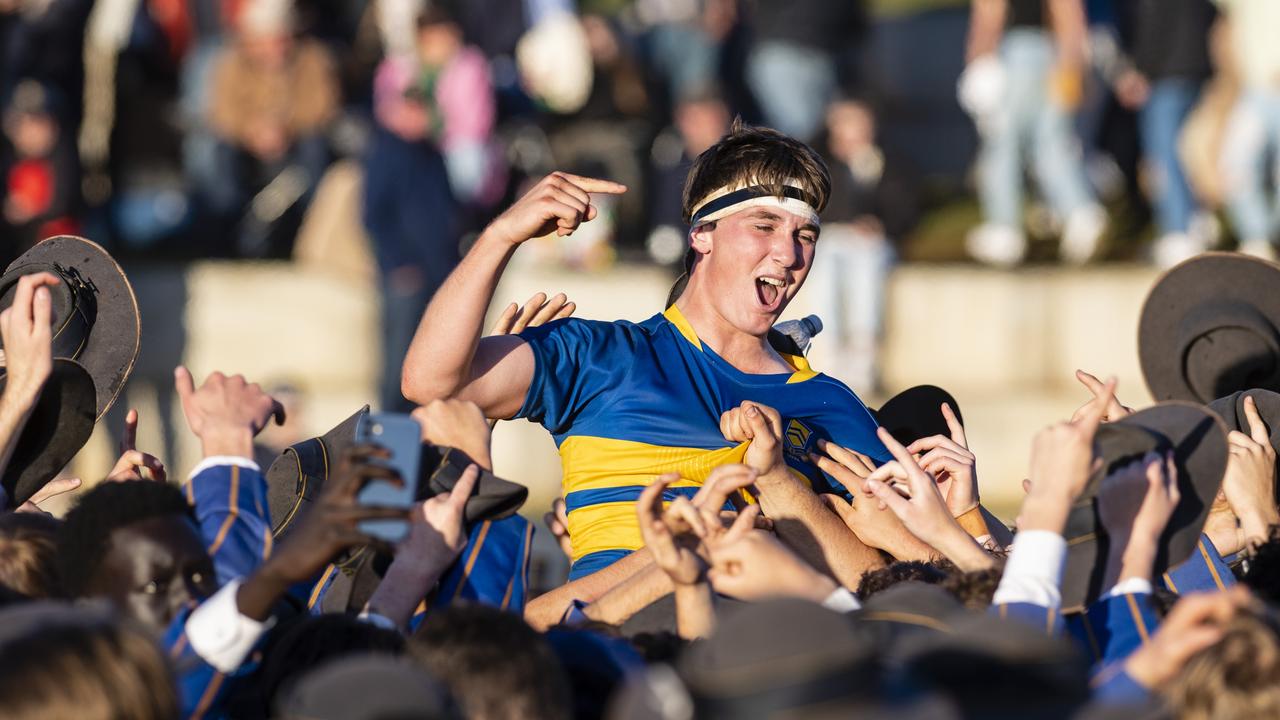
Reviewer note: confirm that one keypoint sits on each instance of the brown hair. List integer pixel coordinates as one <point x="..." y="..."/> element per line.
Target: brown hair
<point x="28" y="549"/>
<point x="757" y="156"/>
<point x="1235" y="679"/>
<point x="94" y="671"/>
<point x="752" y="155"/>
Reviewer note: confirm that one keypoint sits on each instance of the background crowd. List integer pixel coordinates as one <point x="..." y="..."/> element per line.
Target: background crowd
<point x="1006" y="132"/>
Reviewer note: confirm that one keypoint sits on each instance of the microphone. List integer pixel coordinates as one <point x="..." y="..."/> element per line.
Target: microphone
<point x="801" y="331"/>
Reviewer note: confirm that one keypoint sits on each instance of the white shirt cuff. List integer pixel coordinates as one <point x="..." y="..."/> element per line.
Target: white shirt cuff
<point x="219" y="633"/>
<point x="1132" y="586"/>
<point x="216" y="460"/>
<point x="842" y="601"/>
<point x="1033" y="572"/>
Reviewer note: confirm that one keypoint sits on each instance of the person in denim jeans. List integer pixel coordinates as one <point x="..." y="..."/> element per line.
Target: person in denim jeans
<point x="1021" y="85"/>
<point x="1253" y="132"/>
<point x="1169" y="52"/>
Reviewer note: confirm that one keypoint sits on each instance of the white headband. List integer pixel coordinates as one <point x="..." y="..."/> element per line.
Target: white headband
<point x="729" y="200"/>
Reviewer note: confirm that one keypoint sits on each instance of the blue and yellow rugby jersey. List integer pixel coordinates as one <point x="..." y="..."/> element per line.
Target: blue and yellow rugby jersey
<point x="627" y="402"/>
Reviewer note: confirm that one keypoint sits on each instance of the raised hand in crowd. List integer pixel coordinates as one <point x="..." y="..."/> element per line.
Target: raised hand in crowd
<point x="922" y="509"/>
<point x="800" y="518"/>
<point x="871" y="520"/>
<point x="1062" y="459"/>
<point x="1249" y="483"/>
<point x="330" y="527"/>
<point x="28" y="355"/>
<point x="225" y="412"/>
<point x="753" y="565"/>
<point x="1196" y="622"/>
<point x="952" y="464"/>
<point x="558" y="203"/>
<point x="1114" y="410"/>
<point x="1135" y="503"/>
<point x="134" y="464"/>
<point x="539" y="310"/>
<point x="674" y="537"/>
<point x="437" y="535"/>
<point x="457" y="424"/>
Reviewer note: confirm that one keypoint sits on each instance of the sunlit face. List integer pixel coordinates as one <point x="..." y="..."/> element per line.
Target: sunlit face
<point x="153" y="569"/>
<point x="753" y="262"/>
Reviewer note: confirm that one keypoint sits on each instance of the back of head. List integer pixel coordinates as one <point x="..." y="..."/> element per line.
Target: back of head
<point x="874" y="581"/>
<point x="61" y="661"/>
<point x="28" y="554"/>
<point x="366" y="687"/>
<point x="305" y="642"/>
<point x="781" y="658"/>
<point x="497" y="667"/>
<point x="85" y="533"/>
<point x="1236" y="678"/>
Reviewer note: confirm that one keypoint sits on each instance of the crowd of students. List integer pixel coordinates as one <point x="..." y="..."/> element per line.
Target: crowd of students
<point x="800" y="556"/>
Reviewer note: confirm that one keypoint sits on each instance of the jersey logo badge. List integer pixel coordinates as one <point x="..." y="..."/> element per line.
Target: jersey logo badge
<point x="797" y="437"/>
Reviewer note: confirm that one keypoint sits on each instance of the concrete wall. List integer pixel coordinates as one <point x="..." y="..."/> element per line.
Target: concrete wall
<point x="1005" y="344"/>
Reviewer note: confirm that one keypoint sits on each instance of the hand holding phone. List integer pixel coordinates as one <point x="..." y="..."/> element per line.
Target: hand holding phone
<point x="401" y="436"/>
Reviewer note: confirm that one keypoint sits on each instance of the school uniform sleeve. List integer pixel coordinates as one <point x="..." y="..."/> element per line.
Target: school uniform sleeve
<point x="230" y="499"/>
<point x="493" y="569"/>
<point x="208" y="647"/>
<point x="575" y="362"/>
<point x="1204" y="570"/>
<point x="1116" y="625"/>
<point x="1029" y="589"/>
<point x="1117" y="687"/>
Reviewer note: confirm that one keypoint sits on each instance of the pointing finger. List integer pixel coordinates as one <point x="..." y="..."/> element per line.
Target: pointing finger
<point x="595" y="185"/>
<point x="1257" y="427"/>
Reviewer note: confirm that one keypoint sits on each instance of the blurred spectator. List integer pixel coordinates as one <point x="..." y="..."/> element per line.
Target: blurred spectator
<point x="700" y="121"/>
<point x="130" y="138"/>
<point x="42" y="175"/>
<point x="272" y="98"/>
<point x="791" y="69"/>
<point x="1021" y="84"/>
<point x="874" y="203"/>
<point x="427" y="103"/>
<point x="683" y="41"/>
<point x="1169" y="50"/>
<point x="1253" y="136"/>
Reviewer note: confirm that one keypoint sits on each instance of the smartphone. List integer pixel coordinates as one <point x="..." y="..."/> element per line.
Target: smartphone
<point x="401" y="435"/>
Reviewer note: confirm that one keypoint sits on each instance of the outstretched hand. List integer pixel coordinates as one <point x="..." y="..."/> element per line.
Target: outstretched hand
<point x="1113" y="410"/>
<point x="1249" y="483"/>
<point x="1062" y="459"/>
<point x="132" y="461"/>
<point x="950" y="461"/>
<point x="26" y="329"/>
<point x="923" y="511"/>
<point x="457" y="424"/>
<point x="225" y="412"/>
<point x="1135" y="503"/>
<point x="558" y="203"/>
<point x="539" y="310"/>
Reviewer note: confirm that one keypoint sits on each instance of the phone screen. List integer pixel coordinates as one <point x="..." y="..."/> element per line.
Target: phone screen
<point x="401" y="435"/>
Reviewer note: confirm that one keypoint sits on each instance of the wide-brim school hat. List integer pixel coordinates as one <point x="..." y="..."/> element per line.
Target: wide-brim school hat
<point x="96" y="328"/>
<point x="1231" y="410"/>
<point x="916" y="413"/>
<point x="1198" y="440"/>
<point x="1209" y="328"/>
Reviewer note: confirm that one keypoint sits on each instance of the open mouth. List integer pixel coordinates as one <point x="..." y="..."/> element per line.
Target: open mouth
<point x="769" y="290"/>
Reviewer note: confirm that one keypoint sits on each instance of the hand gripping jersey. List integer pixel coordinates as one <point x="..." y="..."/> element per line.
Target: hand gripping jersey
<point x="628" y="402"/>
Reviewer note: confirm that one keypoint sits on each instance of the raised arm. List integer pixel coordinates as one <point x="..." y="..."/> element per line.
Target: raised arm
<point x="447" y="357"/>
